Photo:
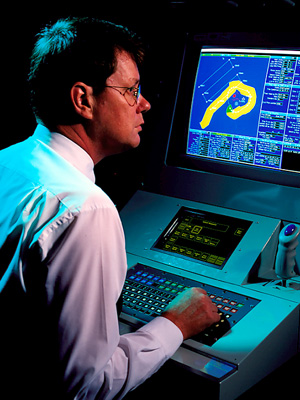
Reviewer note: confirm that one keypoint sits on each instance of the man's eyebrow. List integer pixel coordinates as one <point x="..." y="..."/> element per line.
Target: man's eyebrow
<point x="136" y="81"/>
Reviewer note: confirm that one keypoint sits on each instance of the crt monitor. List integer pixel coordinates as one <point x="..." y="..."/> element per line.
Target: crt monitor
<point x="238" y="114"/>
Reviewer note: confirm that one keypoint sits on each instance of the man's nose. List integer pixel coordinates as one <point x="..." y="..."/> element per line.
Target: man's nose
<point x="143" y="104"/>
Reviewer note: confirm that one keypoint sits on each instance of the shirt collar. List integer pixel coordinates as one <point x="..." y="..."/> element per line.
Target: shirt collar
<point x="67" y="149"/>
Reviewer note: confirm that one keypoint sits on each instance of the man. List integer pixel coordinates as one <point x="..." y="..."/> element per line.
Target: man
<point x="63" y="260"/>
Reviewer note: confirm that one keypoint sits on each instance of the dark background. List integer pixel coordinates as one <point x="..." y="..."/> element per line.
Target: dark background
<point x="163" y="26"/>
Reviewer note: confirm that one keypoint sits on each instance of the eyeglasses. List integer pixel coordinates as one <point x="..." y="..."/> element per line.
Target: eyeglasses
<point x="131" y="94"/>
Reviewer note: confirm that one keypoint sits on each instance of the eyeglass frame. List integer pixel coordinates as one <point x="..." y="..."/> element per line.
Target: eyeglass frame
<point x="136" y="95"/>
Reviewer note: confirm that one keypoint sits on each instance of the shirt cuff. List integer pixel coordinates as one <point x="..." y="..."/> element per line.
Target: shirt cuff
<point x="168" y="334"/>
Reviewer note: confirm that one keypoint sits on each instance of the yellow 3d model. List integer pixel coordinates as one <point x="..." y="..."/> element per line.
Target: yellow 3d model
<point x="245" y="90"/>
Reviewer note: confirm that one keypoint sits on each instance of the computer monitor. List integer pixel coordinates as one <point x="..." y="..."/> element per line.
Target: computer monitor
<point x="238" y="114"/>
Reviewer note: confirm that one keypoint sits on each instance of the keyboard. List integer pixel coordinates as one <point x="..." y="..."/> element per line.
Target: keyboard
<point x="148" y="291"/>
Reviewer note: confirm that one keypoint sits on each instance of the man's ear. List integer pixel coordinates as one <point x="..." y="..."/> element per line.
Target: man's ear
<point x="82" y="99"/>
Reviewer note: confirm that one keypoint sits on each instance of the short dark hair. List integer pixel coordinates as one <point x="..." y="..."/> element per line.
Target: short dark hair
<point x="72" y="50"/>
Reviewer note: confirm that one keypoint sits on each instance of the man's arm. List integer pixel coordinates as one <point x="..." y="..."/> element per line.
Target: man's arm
<point x="86" y="272"/>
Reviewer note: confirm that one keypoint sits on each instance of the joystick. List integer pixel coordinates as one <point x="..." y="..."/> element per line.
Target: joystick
<point x="285" y="265"/>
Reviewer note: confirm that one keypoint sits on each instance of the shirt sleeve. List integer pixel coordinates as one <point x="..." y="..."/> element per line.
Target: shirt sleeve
<point x="86" y="272"/>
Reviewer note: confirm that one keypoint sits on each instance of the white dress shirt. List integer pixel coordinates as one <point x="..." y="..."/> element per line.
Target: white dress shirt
<point x="62" y="245"/>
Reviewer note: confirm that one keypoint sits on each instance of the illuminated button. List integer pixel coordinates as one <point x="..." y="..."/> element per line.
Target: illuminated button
<point x="219" y="298"/>
<point x="197" y="254"/>
<point x="234" y="310"/>
<point x="219" y="306"/>
<point x="197" y="229"/>
<point x="213" y="242"/>
<point x="232" y="303"/>
<point x="212" y="259"/>
<point x="226" y="308"/>
<point x="226" y="301"/>
<point x="240" y="305"/>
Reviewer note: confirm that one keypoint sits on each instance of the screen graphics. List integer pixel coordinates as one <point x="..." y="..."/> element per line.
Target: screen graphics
<point x="202" y="236"/>
<point x="246" y="108"/>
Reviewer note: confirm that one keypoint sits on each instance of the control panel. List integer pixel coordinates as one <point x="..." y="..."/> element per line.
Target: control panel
<point x="173" y="244"/>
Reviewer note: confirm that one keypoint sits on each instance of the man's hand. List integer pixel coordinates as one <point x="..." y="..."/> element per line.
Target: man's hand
<point x="192" y="311"/>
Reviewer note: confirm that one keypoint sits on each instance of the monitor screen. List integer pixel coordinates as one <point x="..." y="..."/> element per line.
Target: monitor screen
<point x="202" y="236"/>
<point x="241" y="114"/>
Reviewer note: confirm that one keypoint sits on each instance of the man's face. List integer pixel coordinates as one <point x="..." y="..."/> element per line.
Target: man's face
<point x="117" y="124"/>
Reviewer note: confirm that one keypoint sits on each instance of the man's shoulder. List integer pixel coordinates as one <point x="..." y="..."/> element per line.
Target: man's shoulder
<point x="37" y="168"/>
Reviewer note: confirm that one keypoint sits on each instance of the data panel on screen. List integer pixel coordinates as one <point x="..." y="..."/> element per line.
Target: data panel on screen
<point x="202" y="236"/>
<point x="246" y="108"/>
